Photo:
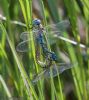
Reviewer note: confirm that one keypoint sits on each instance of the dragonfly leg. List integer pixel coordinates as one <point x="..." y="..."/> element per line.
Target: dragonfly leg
<point x="47" y="63"/>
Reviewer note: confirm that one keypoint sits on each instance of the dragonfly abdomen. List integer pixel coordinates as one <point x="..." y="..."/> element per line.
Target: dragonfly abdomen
<point x="42" y="43"/>
<point x="45" y="49"/>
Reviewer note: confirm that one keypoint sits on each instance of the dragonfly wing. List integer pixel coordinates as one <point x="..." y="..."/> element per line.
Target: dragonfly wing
<point x="61" y="68"/>
<point x="57" y="69"/>
<point x="59" y="27"/>
<point x="23" y="46"/>
<point x="39" y="76"/>
<point x="25" y="35"/>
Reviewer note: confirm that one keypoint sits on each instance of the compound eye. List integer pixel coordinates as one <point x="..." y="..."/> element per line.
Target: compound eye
<point x="39" y="21"/>
<point x="36" y="22"/>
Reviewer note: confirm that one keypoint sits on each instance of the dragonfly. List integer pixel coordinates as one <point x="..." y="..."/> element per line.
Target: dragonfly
<point x="50" y="57"/>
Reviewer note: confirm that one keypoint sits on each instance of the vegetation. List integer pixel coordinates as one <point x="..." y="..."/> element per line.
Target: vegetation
<point x="18" y="69"/>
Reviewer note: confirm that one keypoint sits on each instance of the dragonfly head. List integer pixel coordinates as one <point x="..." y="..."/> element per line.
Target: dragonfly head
<point x="36" y="22"/>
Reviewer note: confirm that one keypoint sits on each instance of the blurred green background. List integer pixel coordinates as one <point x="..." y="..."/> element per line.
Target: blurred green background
<point x="18" y="69"/>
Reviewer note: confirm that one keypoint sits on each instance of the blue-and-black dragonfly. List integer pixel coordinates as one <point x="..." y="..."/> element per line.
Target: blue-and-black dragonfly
<point x="50" y="57"/>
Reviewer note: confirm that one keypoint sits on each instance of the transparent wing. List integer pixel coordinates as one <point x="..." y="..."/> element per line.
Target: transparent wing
<point x="24" y="36"/>
<point x="39" y="76"/>
<point x="23" y="46"/>
<point x="56" y="69"/>
<point x="53" y="29"/>
<point x="59" y="27"/>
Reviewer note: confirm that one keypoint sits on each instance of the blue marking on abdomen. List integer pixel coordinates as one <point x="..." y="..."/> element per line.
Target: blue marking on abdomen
<point x="44" y="48"/>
